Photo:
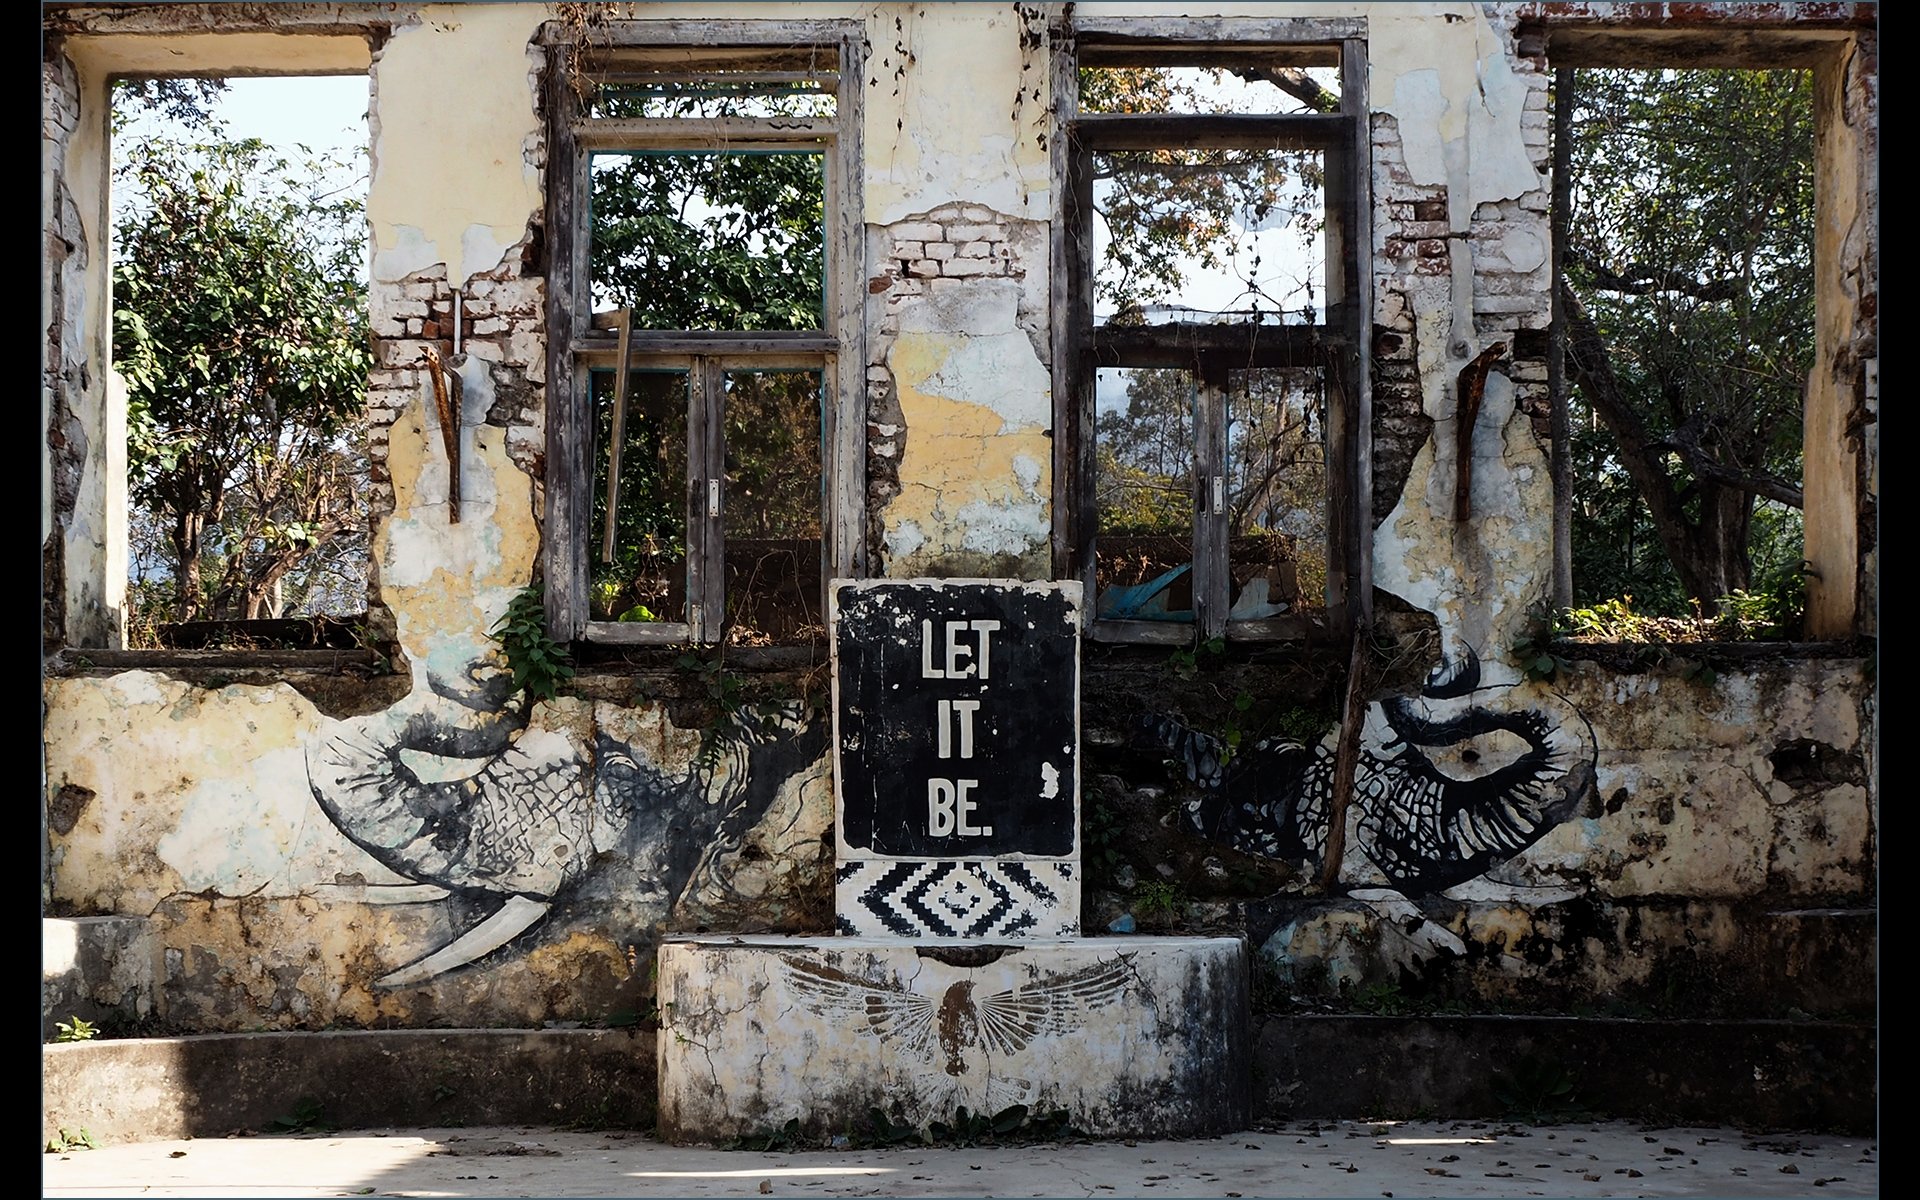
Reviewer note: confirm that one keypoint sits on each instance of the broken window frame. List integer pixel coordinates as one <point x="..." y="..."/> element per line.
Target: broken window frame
<point x="1340" y="346"/>
<point x="579" y="341"/>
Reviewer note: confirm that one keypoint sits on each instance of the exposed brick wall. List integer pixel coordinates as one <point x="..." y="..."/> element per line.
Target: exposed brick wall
<point x="1513" y="251"/>
<point x="1412" y="256"/>
<point x="1510" y="245"/>
<point x="945" y="249"/>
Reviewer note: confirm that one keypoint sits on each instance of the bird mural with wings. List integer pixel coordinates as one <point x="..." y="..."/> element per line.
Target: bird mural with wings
<point x="959" y="1046"/>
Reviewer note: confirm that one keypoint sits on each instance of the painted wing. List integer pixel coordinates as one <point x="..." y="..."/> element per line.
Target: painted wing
<point x="894" y="1014"/>
<point x="1011" y="1019"/>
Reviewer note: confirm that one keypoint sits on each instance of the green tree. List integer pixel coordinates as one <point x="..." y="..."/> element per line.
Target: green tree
<point x="705" y="240"/>
<point x="1172" y="214"/>
<point x="240" y="329"/>
<point x="1689" y="287"/>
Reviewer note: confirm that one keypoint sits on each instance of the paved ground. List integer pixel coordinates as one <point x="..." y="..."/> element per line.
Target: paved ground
<point x="1359" y="1159"/>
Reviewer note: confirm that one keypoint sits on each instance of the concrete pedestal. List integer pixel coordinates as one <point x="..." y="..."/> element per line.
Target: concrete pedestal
<point x="1128" y="1035"/>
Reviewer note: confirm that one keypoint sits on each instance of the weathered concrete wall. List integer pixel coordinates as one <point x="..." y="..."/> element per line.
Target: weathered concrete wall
<point x="151" y="1089"/>
<point x="461" y="856"/>
<point x="96" y="969"/>
<point x="1773" y="1074"/>
<point x="1135" y="1037"/>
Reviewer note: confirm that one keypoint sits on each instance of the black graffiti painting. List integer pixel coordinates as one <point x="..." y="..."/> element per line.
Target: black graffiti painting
<point x="506" y="819"/>
<point x="1449" y="784"/>
<point x="944" y="898"/>
<point x="959" y="1034"/>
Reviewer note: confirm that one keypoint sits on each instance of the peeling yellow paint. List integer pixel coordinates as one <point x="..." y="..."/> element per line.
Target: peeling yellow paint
<point x="956" y="456"/>
<point x="928" y="142"/>
<point x="455" y="120"/>
<point x="448" y="584"/>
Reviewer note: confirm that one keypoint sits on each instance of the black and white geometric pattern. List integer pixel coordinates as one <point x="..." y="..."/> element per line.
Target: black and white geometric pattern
<point x="952" y="898"/>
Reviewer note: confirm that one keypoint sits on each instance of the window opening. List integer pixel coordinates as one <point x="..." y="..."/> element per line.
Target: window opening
<point x="1215" y="246"/>
<point x="240" y="329"/>
<point x="701" y="219"/>
<point x="1689" y="296"/>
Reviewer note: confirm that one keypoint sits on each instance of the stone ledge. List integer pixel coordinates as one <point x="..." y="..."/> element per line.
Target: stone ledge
<point x="1128" y="1035"/>
<point x="1756" y="1074"/>
<point x="143" y="1089"/>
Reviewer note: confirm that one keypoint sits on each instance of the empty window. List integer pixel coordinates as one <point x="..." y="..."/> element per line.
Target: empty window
<point x="1215" y="361"/>
<point x="240" y="332"/>
<point x="1717" y="289"/>
<point x="698" y="197"/>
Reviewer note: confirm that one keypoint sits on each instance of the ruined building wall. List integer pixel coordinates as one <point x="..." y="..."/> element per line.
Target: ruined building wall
<point x="425" y="848"/>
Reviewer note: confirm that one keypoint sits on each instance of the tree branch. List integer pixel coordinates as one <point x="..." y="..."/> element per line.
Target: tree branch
<point x="1640" y="279"/>
<point x="1294" y="82"/>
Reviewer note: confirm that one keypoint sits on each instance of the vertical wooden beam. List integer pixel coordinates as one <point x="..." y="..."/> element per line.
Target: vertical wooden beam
<point x="1359" y="268"/>
<point x="1211" y="575"/>
<point x="1069" y="334"/>
<point x="569" y="429"/>
<point x="1562" y="421"/>
<point x="844" y="421"/>
<point x="706" y="499"/>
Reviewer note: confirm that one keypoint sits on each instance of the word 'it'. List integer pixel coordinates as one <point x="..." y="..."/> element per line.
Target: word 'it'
<point x="958" y="649"/>
<point x="950" y="809"/>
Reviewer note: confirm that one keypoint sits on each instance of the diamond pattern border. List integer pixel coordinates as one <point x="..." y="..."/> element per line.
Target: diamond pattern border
<point x="951" y="898"/>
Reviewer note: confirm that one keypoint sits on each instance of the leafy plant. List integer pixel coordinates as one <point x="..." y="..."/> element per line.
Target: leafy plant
<point x="1102" y="835"/>
<point x="74" y="1029"/>
<point x="71" y="1139"/>
<point x="539" y="664"/>
<point x="1383" y="999"/>
<point x="308" y="1115"/>
<point x="1186" y="663"/>
<point x="787" y="1137"/>
<point x="1159" y="901"/>
<point x="1534" y="650"/>
<point x="1536" y="1090"/>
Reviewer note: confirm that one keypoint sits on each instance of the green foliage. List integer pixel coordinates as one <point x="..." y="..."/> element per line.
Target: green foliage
<point x="240" y="329"/>
<point x="736" y="701"/>
<point x="73" y="1029"/>
<point x="1102" y="841"/>
<point x="308" y="1116"/>
<point x="772" y="1141"/>
<point x="71" y="1139"/>
<point x="539" y="664"/>
<point x="1159" y="902"/>
<point x="1187" y="663"/>
<point x="1014" y="1123"/>
<point x="1691" y="249"/>
<point x="186" y="103"/>
<point x="1537" y="1090"/>
<point x="702" y="239"/>
<point x="1171" y="212"/>
<point x="1738" y="616"/>
<point x="1383" y="999"/>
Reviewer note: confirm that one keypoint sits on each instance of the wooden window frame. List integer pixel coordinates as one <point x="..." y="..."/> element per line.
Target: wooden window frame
<point x="1341" y="346"/>
<point x="578" y="342"/>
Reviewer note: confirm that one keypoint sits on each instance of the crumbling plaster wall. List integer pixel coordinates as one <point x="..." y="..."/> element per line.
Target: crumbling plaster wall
<point x="304" y="869"/>
<point x="261" y="831"/>
<point x="958" y="204"/>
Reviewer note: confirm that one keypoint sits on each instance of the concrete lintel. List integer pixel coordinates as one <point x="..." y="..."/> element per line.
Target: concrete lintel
<point x="1127" y="1035"/>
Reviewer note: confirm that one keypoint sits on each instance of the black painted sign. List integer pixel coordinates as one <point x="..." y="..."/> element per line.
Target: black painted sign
<point x="956" y="718"/>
